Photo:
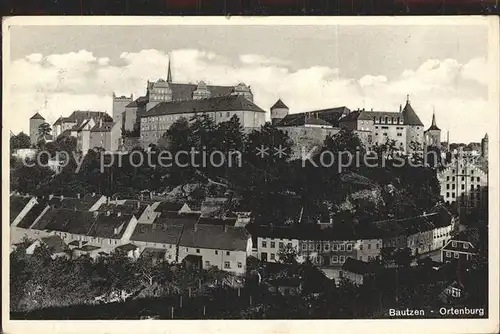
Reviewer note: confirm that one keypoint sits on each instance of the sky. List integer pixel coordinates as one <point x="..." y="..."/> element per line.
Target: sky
<point x="58" y="69"/>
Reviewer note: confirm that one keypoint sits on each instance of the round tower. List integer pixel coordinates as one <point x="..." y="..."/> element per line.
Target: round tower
<point x="278" y="111"/>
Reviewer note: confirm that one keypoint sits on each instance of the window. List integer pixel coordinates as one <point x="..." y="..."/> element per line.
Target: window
<point x="273" y="256"/>
<point x="318" y="247"/>
<point x="240" y="265"/>
<point x="216" y="252"/>
<point x="207" y="263"/>
<point x="264" y="244"/>
<point x="448" y="254"/>
<point x="361" y="247"/>
<point x="447" y="178"/>
<point x="472" y="178"/>
<point x="289" y="244"/>
<point x="369" y="246"/>
<point x="304" y="246"/>
<point x="227" y="265"/>
<point x="472" y="172"/>
<point x="453" y="179"/>
<point x="378" y="246"/>
<point x="454" y="243"/>
<point x="349" y="247"/>
<point x="227" y="113"/>
<point x="453" y="186"/>
<point x="466" y="245"/>
<point x="463" y="178"/>
<point x="463" y="186"/>
<point x="197" y="250"/>
<point x="447" y="186"/>
<point x="456" y="255"/>
<point x="187" y="249"/>
<point x="335" y="247"/>
<point x="227" y="253"/>
<point x="335" y="259"/>
<point x="327" y="247"/>
<point x="273" y="244"/>
<point x="342" y="247"/>
<point x="281" y="245"/>
<point x="478" y="179"/>
<point x="341" y="258"/>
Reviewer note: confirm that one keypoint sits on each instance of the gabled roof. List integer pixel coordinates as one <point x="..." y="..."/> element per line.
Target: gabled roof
<point x="224" y="103"/>
<point x="112" y="226"/>
<point x="104" y="127"/>
<point x="357" y="266"/>
<point x="63" y="220"/>
<point x="163" y="234"/>
<point x="410" y="116"/>
<point x="55" y="243"/>
<point x="316" y="121"/>
<point x="127" y="247"/>
<point x="17" y="204"/>
<point x="215" y="237"/>
<point x="331" y="116"/>
<point x="37" y="116"/>
<point x="279" y="104"/>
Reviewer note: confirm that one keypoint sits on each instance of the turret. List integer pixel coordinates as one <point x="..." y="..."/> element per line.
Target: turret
<point x="278" y="111"/>
<point x="484" y="147"/>
<point x="433" y="133"/>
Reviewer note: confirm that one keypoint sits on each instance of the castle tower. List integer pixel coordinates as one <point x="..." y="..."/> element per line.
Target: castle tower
<point x="160" y="92"/>
<point x="414" y="127"/>
<point x="433" y="134"/>
<point x="119" y="104"/>
<point x="35" y="121"/>
<point x="278" y="111"/>
<point x="484" y="147"/>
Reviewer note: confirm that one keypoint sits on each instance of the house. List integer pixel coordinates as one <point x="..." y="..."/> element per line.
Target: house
<point x="271" y="239"/>
<point x="154" y="254"/>
<point x="452" y="293"/>
<point x="56" y="246"/>
<point x="131" y="250"/>
<point x="356" y="271"/>
<point x="461" y="247"/>
<point x="158" y="236"/>
<point x="70" y="125"/>
<point x="224" y="247"/>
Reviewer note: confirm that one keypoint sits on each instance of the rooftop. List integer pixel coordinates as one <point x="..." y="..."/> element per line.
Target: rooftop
<point x="17" y="204"/>
<point x="55" y="243"/>
<point x="165" y="234"/>
<point x="223" y="103"/>
<point x="215" y="237"/>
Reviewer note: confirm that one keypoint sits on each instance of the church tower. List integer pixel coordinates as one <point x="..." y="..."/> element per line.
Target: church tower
<point x="433" y="134"/>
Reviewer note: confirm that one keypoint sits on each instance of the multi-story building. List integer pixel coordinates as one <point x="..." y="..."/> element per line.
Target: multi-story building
<point x="461" y="247"/>
<point x="159" y="118"/>
<point x="464" y="181"/>
<point x="166" y="101"/>
<point x="70" y="125"/>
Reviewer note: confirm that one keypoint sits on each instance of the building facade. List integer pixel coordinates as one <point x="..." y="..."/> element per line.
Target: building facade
<point x="35" y="121"/>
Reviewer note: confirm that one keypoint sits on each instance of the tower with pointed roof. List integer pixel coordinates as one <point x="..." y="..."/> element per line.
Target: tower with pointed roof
<point x="414" y="128"/>
<point x="279" y="110"/>
<point x="433" y="134"/>
<point x="35" y="121"/>
<point x="169" y="74"/>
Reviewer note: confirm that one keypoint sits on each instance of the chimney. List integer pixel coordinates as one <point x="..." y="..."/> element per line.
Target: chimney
<point x="400" y="108"/>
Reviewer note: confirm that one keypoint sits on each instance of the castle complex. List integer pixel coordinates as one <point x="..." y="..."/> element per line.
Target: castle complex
<point x="146" y="118"/>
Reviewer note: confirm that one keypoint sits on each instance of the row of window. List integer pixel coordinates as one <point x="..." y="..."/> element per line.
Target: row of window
<point x="465" y="245"/>
<point x="273" y="244"/>
<point x="227" y="264"/>
<point x="478" y="187"/>
<point x="216" y="252"/>
<point x="456" y="255"/>
<point x="387" y="120"/>
<point x="327" y="247"/>
<point x="472" y="178"/>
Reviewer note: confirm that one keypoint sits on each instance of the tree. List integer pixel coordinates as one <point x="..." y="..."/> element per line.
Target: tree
<point x="288" y="254"/>
<point x="403" y="257"/>
<point x="44" y="130"/>
<point x="21" y="140"/>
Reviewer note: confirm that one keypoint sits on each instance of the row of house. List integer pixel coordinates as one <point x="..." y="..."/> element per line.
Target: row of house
<point x="95" y="225"/>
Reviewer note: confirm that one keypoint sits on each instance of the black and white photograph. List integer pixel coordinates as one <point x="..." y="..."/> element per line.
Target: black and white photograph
<point x="251" y="169"/>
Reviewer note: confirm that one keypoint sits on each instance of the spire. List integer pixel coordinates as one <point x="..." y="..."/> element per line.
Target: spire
<point x="169" y="75"/>
<point x="433" y="117"/>
<point x="407" y="98"/>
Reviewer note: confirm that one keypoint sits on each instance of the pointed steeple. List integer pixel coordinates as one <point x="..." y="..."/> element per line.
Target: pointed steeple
<point x="169" y="75"/>
<point x="433" y="124"/>
<point x="409" y="115"/>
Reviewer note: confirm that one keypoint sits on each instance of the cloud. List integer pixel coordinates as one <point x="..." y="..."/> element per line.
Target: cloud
<point x="58" y="84"/>
<point x="254" y="59"/>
